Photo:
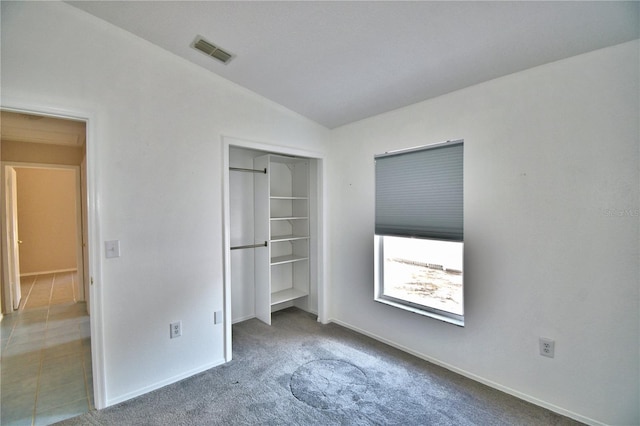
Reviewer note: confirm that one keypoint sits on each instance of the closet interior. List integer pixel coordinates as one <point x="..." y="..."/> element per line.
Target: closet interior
<point x="273" y="203"/>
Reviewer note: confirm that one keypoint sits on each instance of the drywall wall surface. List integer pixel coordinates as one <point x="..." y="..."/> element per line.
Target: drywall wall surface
<point x="155" y="141"/>
<point x="47" y="219"/>
<point x="551" y="232"/>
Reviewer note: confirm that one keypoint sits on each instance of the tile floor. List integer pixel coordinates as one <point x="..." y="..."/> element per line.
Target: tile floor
<point x="45" y="358"/>
<point x="40" y="291"/>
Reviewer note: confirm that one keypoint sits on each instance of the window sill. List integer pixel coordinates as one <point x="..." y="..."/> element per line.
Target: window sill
<point x="423" y="312"/>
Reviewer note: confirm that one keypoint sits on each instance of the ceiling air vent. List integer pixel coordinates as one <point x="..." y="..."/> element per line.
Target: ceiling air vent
<point x="211" y="49"/>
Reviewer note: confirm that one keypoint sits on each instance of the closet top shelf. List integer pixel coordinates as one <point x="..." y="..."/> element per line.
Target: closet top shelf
<point x="289" y="217"/>
<point x="286" y="159"/>
<point x="278" y="197"/>
<point x="290" y="237"/>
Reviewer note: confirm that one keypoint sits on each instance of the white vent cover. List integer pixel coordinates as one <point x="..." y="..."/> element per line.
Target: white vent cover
<point x="211" y="50"/>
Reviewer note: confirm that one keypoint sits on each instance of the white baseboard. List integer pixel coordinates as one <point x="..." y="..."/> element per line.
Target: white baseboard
<point x="57" y="271"/>
<point x="505" y="389"/>
<point x="163" y="383"/>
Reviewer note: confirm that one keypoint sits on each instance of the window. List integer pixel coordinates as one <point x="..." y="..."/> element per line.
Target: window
<point x="419" y="230"/>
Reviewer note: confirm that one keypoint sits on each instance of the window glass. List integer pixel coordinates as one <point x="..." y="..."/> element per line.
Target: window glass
<point x="424" y="273"/>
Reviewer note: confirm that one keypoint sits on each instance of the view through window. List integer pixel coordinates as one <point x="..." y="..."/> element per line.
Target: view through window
<point x="423" y="273"/>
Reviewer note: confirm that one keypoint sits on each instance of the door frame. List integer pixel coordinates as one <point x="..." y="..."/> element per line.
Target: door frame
<point x="9" y="216"/>
<point x="94" y="264"/>
<point x="6" y="165"/>
<point x="320" y="247"/>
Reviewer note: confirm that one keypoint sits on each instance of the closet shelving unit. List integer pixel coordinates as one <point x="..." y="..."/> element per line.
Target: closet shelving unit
<point x="282" y="219"/>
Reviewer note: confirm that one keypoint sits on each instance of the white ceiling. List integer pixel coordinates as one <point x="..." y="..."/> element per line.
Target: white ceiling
<point x="338" y="62"/>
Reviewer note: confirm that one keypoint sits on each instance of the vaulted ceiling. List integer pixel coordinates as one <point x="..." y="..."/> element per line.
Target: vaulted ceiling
<point x="337" y="62"/>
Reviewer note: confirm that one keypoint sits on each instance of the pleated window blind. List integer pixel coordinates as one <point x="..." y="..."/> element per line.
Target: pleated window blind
<point x="419" y="192"/>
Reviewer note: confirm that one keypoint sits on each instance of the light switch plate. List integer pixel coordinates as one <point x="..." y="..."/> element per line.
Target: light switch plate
<point x="217" y="317"/>
<point x="112" y="249"/>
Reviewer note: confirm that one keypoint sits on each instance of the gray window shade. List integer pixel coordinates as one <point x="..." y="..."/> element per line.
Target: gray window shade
<point x="419" y="192"/>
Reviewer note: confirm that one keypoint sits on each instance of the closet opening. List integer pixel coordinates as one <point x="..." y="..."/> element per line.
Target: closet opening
<point x="273" y="225"/>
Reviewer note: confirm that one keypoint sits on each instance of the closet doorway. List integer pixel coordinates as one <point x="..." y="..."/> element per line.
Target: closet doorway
<point x="274" y="233"/>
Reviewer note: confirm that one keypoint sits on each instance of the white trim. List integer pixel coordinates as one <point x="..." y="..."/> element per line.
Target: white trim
<point x="228" y="141"/>
<point x="57" y="271"/>
<point x="93" y="225"/>
<point x="419" y="148"/>
<point x="474" y="377"/>
<point x="270" y="148"/>
<point x="226" y="252"/>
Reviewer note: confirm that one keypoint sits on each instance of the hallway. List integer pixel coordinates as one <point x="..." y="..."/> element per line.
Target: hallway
<point x="46" y="354"/>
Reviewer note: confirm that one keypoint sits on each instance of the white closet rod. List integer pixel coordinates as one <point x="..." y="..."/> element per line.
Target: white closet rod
<point x="249" y="246"/>
<point x="240" y="169"/>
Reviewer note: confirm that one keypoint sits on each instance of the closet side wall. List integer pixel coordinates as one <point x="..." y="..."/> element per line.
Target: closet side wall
<point x="241" y="219"/>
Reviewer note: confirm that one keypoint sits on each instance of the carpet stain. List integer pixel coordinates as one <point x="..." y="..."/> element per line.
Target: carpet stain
<point x="329" y="384"/>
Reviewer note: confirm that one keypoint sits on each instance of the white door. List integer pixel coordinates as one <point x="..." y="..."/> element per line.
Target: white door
<point x="12" y="236"/>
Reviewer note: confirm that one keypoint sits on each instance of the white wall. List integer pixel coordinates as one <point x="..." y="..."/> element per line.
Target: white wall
<point x="158" y="123"/>
<point x="550" y="155"/>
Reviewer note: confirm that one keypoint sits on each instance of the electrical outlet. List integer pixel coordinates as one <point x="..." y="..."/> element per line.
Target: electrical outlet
<point x="547" y="347"/>
<point x="175" y="329"/>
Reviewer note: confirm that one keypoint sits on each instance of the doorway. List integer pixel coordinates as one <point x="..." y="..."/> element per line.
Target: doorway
<point x="48" y="153"/>
<point x="47" y="372"/>
<point x="44" y="229"/>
